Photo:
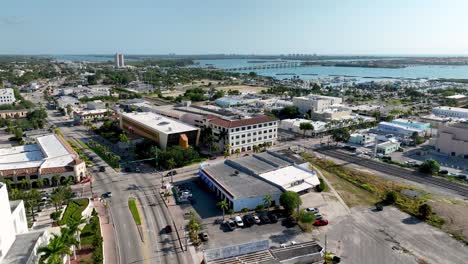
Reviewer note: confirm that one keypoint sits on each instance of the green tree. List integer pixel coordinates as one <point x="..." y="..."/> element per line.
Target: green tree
<point x="8" y="183"/>
<point x="226" y="154"/>
<point x="341" y="134"/>
<point x="390" y="197"/>
<point x="237" y="151"/>
<point x="306" y="217"/>
<point x="224" y="206"/>
<point x="430" y="167"/>
<point x="69" y="110"/>
<point x="425" y="211"/>
<point x="267" y="201"/>
<point x="24" y="183"/>
<point x="290" y="201"/>
<point x="40" y="183"/>
<point x="55" y="250"/>
<point x="304" y="126"/>
<point x="124" y="138"/>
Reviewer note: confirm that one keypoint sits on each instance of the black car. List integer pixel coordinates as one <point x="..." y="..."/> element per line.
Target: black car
<point x="273" y="217"/>
<point x="264" y="219"/>
<point x="106" y="195"/>
<point x="443" y="172"/>
<point x="248" y="220"/>
<point x="102" y="169"/>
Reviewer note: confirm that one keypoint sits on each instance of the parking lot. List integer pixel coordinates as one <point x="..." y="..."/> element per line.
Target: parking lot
<point x="204" y="206"/>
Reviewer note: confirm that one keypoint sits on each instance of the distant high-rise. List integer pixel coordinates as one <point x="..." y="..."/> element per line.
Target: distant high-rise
<point x="119" y="60"/>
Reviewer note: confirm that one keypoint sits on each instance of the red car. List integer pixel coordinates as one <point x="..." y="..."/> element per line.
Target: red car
<point x="322" y="222"/>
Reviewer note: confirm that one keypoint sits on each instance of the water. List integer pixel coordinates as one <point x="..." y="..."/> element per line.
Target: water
<point x="311" y="72"/>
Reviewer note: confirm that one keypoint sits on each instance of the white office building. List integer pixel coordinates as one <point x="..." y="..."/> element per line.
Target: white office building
<point x="446" y="111"/>
<point x="7" y="96"/>
<point x="17" y="245"/>
<point x="119" y="60"/>
<point x="315" y="103"/>
<point x="397" y="129"/>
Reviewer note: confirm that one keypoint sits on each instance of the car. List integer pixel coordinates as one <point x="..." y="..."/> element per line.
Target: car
<point x="102" y="169"/>
<point x="379" y="207"/>
<point x="106" y="195"/>
<point x="168" y="229"/>
<point x="231" y="224"/>
<point x="264" y="219"/>
<point x="443" y="172"/>
<point x="213" y="158"/>
<point x="256" y="219"/>
<point x="273" y="217"/>
<point x="318" y="217"/>
<point x="137" y="170"/>
<point x="239" y="221"/>
<point x="322" y="222"/>
<point x="461" y="176"/>
<point x="313" y="210"/>
<point x="44" y="199"/>
<point x="204" y="236"/>
<point x="248" y="220"/>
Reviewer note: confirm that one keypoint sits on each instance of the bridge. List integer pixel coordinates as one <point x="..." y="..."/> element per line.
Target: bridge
<point x="266" y="66"/>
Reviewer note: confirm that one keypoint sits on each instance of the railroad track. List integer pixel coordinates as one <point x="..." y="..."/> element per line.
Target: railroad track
<point x="395" y="171"/>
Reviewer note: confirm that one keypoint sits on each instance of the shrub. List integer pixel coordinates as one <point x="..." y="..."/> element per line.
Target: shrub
<point x="306" y="217"/>
<point x="260" y="208"/>
<point x="290" y="201"/>
<point x="430" y="167"/>
<point x="321" y="187"/>
<point x="425" y="211"/>
<point x="390" y="197"/>
<point x="74" y="210"/>
<point x="55" y="216"/>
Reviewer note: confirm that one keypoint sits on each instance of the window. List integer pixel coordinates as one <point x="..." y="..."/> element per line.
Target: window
<point x="243" y="128"/>
<point x="237" y="143"/>
<point x="243" y="135"/>
<point x="254" y="133"/>
<point x="270" y="124"/>
<point x="237" y="136"/>
<point x="243" y="141"/>
<point x="248" y="134"/>
<point x="265" y="131"/>
<point x="248" y="140"/>
<point x="271" y="130"/>
<point x="269" y="136"/>
<point x="232" y="129"/>
<point x="255" y="126"/>
<point x="265" y="137"/>
<point x="260" y="138"/>
<point x="255" y="139"/>
<point x="259" y="125"/>
<point x="237" y="129"/>
<point x="232" y="137"/>
<point x="259" y="132"/>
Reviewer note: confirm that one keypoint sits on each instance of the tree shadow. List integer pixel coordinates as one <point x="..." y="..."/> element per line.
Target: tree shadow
<point x="411" y="220"/>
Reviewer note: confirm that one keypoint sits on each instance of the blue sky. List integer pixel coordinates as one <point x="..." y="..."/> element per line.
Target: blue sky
<point x="241" y="26"/>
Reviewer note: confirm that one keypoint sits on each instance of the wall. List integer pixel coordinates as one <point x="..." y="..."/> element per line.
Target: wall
<point x="7" y="231"/>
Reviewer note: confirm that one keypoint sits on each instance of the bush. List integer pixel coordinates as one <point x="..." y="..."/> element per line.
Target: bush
<point x="390" y="197"/>
<point x="306" y="217"/>
<point x="74" y="210"/>
<point x="425" y="211"/>
<point x="321" y="187"/>
<point x="55" y="216"/>
<point x="430" y="167"/>
<point x="290" y="201"/>
<point x="260" y="208"/>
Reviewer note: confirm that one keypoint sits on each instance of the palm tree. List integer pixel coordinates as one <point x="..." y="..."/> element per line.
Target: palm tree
<point x="226" y="154"/>
<point x="237" y="152"/>
<point x="40" y="183"/>
<point x="305" y="126"/>
<point x="69" y="234"/>
<point x="267" y="201"/>
<point x="57" y="199"/>
<point x="55" y="180"/>
<point x="224" y="206"/>
<point x="32" y="200"/>
<point x="54" y="251"/>
<point x="24" y="183"/>
<point x="8" y="183"/>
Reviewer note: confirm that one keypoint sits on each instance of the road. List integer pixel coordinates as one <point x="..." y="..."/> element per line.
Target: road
<point x="394" y="170"/>
<point x="154" y="246"/>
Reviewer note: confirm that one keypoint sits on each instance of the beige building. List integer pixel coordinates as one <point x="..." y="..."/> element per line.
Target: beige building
<point x="453" y="140"/>
<point x="13" y="113"/>
<point x="315" y="103"/>
<point x="332" y="113"/>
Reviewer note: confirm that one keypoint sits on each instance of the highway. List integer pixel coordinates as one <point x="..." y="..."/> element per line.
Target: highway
<point x="394" y="170"/>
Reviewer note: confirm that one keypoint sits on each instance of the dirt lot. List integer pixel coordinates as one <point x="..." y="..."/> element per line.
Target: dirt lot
<point x="242" y="88"/>
<point x="455" y="213"/>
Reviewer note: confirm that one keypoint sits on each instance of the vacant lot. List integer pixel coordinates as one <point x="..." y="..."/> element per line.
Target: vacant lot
<point x="242" y="88"/>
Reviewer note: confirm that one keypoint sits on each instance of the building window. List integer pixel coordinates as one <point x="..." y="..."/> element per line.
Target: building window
<point x="260" y="138"/>
<point x="237" y="129"/>
<point x="243" y="135"/>
<point x="270" y="130"/>
<point x="255" y="126"/>
<point x="255" y="139"/>
<point x="259" y="132"/>
<point x="243" y="128"/>
<point x="269" y="136"/>
<point x="237" y="136"/>
<point x="254" y="133"/>
<point x="249" y="127"/>
<point x="248" y="140"/>
<point x="248" y="134"/>
<point x="259" y="125"/>
<point x="265" y="137"/>
<point x="243" y="141"/>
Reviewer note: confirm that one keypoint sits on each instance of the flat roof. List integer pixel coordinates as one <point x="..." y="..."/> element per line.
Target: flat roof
<point x="286" y="176"/>
<point x="158" y="122"/>
<point x="240" y="185"/>
<point x="254" y="164"/>
<point x="454" y="109"/>
<point x="22" y="248"/>
<point x="456" y="96"/>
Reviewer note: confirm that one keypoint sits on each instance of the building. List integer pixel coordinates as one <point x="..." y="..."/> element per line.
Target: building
<point x="119" y="60"/>
<point x="13" y="113"/>
<point x="230" y="101"/>
<point x="293" y="125"/>
<point x="315" y="103"/>
<point x="244" y="133"/>
<point x="332" y="113"/>
<point x="397" y="129"/>
<point x="96" y="104"/>
<point x="7" y="96"/>
<point x="447" y="111"/>
<point x="50" y="156"/>
<point x="166" y="132"/>
<point x="16" y="244"/>
<point x="453" y="139"/>
<point x="245" y="181"/>
<point x="387" y="147"/>
<point x="458" y="99"/>
<point x="63" y="101"/>
<point x="90" y="115"/>
<point x="361" y="139"/>
<point x="412" y="124"/>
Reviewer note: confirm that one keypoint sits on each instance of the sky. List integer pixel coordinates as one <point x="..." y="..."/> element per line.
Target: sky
<point x="357" y="27"/>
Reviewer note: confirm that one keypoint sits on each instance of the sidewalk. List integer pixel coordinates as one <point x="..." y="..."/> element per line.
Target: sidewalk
<point x="107" y="231"/>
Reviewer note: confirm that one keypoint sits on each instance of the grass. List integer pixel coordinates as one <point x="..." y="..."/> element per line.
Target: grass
<point x="134" y="210"/>
<point x="82" y="144"/>
<point x="90" y="236"/>
<point x="74" y="210"/>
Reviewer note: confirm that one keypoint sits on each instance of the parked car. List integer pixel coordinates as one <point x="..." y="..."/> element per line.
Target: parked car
<point x="102" y="169"/>
<point x="322" y="222"/>
<point x="264" y="219"/>
<point x="248" y="220"/>
<point x="137" y="170"/>
<point x="168" y="229"/>
<point x="273" y="217"/>
<point x="443" y="172"/>
<point x="239" y="221"/>
<point x="462" y="176"/>
<point x="204" y="236"/>
<point x="318" y="217"/>
<point x="312" y="210"/>
<point x="106" y="195"/>
<point x="379" y="207"/>
<point x="256" y="219"/>
<point x="231" y="224"/>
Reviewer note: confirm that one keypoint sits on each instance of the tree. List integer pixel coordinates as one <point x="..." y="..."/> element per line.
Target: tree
<point x="124" y="138"/>
<point x="226" y="154"/>
<point x="267" y="201"/>
<point x="341" y="134"/>
<point x="8" y="183"/>
<point x="55" y="180"/>
<point x="425" y="211"/>
<point x="390" y="197"/>
<point x="54" y="251"/>
<point x="224" y="206"/>
<point x="40" y="183"/>
<point x="69" y="110"/>
<point x="305" y="126"/>
<point x="237" y="151"/>
<point x="306" y="217"/>
<point x="321" y="186"/>
<point x="290" y="201"/>
<point x="18" y="133"/>
<point x="430" y="167"/>
<point x="24" y="183"/>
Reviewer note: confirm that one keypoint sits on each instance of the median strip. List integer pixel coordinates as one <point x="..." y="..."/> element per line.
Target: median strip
<point x="134" y="210"/>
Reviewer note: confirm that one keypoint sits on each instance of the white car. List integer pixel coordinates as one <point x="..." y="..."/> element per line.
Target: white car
<point x="312" y="210"/>
<point x="256" y="219"/>
<point x="238" y="221"/>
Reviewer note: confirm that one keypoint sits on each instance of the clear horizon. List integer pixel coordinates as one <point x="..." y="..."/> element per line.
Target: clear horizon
<point x="149" y="27"/>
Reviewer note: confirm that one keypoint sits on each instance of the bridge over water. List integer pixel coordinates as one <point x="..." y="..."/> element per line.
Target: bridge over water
<point x="280" y="65"/>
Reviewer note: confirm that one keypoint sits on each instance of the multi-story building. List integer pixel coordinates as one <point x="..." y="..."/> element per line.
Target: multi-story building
<point x="244" y="133"/>
<point x="413" y="124"/>
<point x="447" y="111"/>
<point x="458" y="99"/>
<point x="166" y="132"/>
<point x="315" y="103"/>
<point x="89" y="115"/>
<point x="17" y="245"/>
<point x="119" y="60"/>
<point x="13" y="113"/>
<point x="453" y="139"/>
<point x="397" y="129"/>
<point x="51" y="156"/>
<point x="7" y="96"/>
<point x="332" y="113"/>
<point x="361" y="139"/>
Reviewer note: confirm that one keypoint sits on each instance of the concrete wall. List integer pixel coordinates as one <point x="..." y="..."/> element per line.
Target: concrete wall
<point x="453" y="140"/>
